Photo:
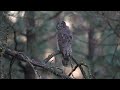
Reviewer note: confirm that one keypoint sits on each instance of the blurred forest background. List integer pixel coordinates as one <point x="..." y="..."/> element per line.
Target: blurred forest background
<point x="96" y="43"/>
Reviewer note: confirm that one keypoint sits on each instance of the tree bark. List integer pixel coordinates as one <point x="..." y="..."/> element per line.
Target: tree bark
<point x="30" y="33"/>
<point x="31" y="42"/>
<point x="91" y="47"/>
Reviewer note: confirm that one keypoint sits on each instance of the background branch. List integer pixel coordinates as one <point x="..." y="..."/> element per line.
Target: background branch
<point x="80" y="66"/>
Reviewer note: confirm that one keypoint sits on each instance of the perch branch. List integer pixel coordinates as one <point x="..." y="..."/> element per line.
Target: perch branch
<point x="50" y="56"/>
<point x="22" y="57"/>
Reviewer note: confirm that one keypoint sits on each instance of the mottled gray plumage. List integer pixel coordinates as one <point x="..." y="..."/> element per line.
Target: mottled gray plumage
<point x="64" y="38"/>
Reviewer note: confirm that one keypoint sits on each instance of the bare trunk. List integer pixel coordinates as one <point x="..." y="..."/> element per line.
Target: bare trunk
<point x="30" y="33"/>
<point x="31" y="41"/>
<point x="91" y="50"/>
<point x="91" y="47"/>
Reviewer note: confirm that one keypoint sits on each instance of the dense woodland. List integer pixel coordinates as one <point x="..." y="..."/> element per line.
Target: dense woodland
<point x="28" y="45"/>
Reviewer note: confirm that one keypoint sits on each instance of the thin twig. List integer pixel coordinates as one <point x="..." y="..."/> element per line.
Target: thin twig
<point x="114" y="52"/>
<point x="109" y="24"/>
<point x="73" y="70"/>
<point x="81" y="68"/>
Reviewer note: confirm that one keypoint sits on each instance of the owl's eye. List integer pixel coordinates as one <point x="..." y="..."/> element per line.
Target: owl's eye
<point x="63" y="23"/>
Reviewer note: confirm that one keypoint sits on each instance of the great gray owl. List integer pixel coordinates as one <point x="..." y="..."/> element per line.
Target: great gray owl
<point x="64" y="40"/>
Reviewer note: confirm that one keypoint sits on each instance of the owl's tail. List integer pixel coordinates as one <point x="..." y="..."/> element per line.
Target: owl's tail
<point x="65" y="61"/>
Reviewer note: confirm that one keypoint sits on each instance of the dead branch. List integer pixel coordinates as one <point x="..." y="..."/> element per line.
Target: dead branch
<point x="50" y="56"/>
<point x="80" y="66"/>
<point x="73" y="70"/>
<point x="20" y="56"/>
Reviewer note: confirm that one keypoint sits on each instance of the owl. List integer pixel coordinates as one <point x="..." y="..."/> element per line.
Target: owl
<point x="64" y="41"/>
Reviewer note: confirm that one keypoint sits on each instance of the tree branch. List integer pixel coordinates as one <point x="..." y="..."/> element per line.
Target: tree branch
<point x="114" y="52"/>
<point x="80" y="66"/>
<point x="56" y="15"/>
<point x="50" y="56"/>
<point x="109" y="24"/>
<point x="22" y="57"/>
<point x="73" y="70"/>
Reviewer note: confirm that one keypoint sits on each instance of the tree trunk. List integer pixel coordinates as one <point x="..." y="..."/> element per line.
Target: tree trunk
<point x="31" y="42"/>
<point x="91" y="50"/>
<point x="30" y="33"/>
<point x="91" y="47"/>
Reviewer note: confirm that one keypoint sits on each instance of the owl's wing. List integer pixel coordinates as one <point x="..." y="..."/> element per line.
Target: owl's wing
<point x="64" y="42"/>
<point x="60" y="40"/>
<point x="68" y="35"/>
<point x="68" y="49"/>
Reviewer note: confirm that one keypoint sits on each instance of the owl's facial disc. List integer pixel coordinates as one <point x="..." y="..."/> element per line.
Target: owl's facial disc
<point x="61" y="25"/>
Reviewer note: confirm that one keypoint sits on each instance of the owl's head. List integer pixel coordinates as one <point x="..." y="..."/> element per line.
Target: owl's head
<point x="61" y="25"/>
